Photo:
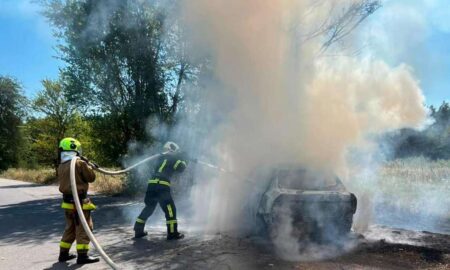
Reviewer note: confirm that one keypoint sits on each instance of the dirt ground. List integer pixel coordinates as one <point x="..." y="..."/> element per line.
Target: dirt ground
<point x="424" y="251"/>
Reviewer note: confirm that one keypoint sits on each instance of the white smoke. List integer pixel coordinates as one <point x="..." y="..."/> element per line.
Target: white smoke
<point x="272" y="94"/>
<point x="280" y="100"/>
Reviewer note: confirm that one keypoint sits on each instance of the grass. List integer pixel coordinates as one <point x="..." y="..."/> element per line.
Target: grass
<point x="414" y="177"/>
<point x="418" y="185"/>
<point x="417" y="170"/>
<point x="109" y="185"/>
<point x="38" y="176"/>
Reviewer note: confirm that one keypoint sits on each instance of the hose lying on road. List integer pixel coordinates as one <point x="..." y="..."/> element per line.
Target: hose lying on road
<point x="84" y="223"/>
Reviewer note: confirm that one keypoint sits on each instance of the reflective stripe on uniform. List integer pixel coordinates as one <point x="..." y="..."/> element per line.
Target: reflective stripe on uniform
<point x="157" y="181"/>
<point x="178" y="163"/>
<point x="169" y="209"/>
<point x="82" y="246"/>
<point x="89" y="206"/>
<point x="162" y="166"/>
<point x="138" y="220"/>
<point x="65" y="244"/>
<point x="71" y="206"/>
<point x="171" y="224"/>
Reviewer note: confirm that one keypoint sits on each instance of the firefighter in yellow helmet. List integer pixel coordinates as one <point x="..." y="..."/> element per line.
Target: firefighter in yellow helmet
<point x="158" y="192"/>
<point x="68" y="148"/>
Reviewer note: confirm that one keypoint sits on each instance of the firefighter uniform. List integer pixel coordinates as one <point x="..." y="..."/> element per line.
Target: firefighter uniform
<point x="158" y="191"/>
<point x="74" y="230"/>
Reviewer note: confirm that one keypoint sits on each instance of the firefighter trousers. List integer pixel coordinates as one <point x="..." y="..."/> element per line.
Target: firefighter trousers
<point x="75" y="231"/>
<point x="158" y="193"/>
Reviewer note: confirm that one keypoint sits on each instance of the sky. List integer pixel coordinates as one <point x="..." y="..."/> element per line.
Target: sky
<point x="411" y="32"/>
<point x="27" y="46"/>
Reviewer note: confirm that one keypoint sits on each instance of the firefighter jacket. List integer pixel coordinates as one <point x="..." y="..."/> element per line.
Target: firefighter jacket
<point x="83" y="176"/>
<point x="169" y="164"/>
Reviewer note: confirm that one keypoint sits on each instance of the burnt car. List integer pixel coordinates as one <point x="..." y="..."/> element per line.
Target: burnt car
<point x="314" y="205"/>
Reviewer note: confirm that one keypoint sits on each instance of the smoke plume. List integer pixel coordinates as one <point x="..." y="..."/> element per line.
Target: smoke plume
<point x="282" y="97"/>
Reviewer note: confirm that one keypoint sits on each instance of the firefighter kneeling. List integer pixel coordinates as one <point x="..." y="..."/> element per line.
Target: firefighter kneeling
<point x="84" y="175"/>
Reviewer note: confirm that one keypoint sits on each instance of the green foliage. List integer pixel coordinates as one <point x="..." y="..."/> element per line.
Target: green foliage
<point x="126" y="63"/>
<point x="11" y="113"/>
<point x="52" y="102"/>
<point x="433" y="142"/>
<point x="42" y="134"/>
<point x="115" y="53"/>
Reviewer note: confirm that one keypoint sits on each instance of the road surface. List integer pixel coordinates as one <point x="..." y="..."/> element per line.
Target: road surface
<point x="31" y="223"/>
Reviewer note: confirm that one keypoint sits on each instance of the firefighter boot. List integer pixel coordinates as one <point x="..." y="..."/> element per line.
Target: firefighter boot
<point x="65" y="256"/>
<point x="175" y="236"/>
<point x="83" y="258"/>
<point x="139" y="230"/>
<point x="172" y="231"/>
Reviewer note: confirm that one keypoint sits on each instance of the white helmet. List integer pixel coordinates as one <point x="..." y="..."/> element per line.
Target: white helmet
<point x="171" y="147"/>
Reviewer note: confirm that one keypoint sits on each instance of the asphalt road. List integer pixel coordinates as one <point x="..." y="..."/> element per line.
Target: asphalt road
<point x="31" y="223"/>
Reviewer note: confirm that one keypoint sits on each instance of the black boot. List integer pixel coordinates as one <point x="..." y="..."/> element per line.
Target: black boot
<point x="140" y="234"/>
<point x="175" y="236"/>
<point x="64" y="256"/>
<point x="139" y="230"/>
<point x="83" y="258"/>
<point x="172" y="231"/>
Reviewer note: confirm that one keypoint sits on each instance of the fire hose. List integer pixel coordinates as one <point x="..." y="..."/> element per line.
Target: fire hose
<point x="84" y="223"/>
<point x="79" y="208"/>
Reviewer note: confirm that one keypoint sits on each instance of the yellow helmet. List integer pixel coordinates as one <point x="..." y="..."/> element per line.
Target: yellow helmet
<point x="70" y="144"/>
<point x="171" y="147"/>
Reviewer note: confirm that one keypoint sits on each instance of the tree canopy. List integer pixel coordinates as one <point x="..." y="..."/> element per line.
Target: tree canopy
<point x="12" y="104"/>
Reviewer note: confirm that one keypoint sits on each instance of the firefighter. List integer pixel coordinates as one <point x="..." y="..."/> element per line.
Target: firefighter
<point x="68" y="148"/>
<point x="158" y="191"/>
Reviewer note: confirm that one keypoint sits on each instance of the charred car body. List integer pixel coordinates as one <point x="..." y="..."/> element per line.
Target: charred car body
<point x="316" y="206"/>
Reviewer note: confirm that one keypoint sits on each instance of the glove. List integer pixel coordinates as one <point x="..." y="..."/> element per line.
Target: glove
<point x="88" y="162"/>
<point x="84" y="159"/>
<point x="94" y="164"/>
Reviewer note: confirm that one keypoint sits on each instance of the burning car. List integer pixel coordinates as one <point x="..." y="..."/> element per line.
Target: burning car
<point x="315" y="206"/>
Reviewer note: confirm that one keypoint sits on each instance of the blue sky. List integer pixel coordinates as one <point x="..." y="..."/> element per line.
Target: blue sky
<point x="415" y="32"/>
<point x="27" y="46"/>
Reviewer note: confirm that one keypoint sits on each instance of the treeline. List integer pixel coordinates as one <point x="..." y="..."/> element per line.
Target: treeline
<point x="432" y="142"/>
<point x="125" y="63"/>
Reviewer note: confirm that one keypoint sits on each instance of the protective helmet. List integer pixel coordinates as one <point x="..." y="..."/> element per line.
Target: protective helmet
<point x="171" y="147"/>
<point x="70" y="144"/>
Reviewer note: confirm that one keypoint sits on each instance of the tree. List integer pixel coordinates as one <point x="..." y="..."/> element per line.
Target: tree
<point x="432" y="142"/>
<point x="58" y="117"/>
<point x="12" y="103"/>
<point x="341" y="24"/>
<point x="52" y="102"/>
<point x="116" y="58"/>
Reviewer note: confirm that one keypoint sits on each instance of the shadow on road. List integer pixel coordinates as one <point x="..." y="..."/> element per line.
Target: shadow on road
<point x="193" y="252"/>
<point x="20" y="186"/>
<point x="38" y="220"/>
<point x="61" y="266"/>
